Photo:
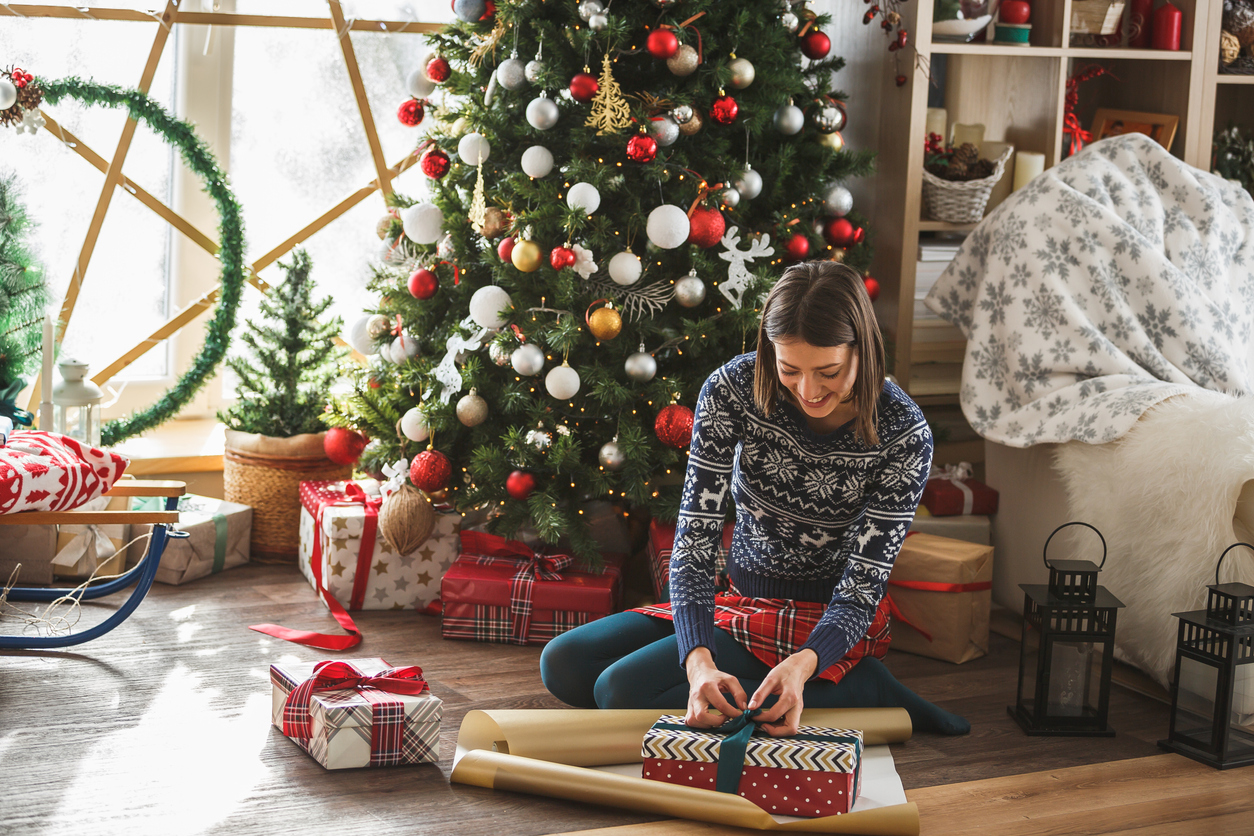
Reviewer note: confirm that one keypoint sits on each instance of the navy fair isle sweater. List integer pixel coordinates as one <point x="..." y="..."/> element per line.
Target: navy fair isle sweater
<point x="818" y="517"/>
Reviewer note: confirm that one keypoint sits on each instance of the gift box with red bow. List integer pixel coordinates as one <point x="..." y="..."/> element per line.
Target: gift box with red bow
<point x="950" y="491"/>
<point x="359" y="712"/>
<point x="502" y="590"/>
<point x="342" y="551"/>
<point x="816" y="772"/>
<point x="662" y="543"/>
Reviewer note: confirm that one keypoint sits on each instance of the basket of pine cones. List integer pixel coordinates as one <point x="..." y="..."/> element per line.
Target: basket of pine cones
<point x="957" y="181"/>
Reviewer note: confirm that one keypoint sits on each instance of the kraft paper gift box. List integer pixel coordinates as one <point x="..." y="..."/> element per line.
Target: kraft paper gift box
<point x="86" y="549"/>
<point x="941" y="590"/>
<point x="662" y="542"/>
<point x="29" y="549"/>
<point x="363" y="724"/>
<point x="501" y="590"/>
<point x="814" y="773"/>
<point x="341" y="549"/>
<point x="974" y="528"/>
<point x="219" y="536"/>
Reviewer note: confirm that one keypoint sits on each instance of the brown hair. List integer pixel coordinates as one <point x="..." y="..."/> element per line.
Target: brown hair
<point x="823" y="303"/>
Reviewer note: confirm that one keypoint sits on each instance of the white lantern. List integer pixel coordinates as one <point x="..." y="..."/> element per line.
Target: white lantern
<point x="583" y="196"/>
<point x="537" y="161"/>
<point x="474" y="149"/>
<point x="76" y="403"/>
<point x="486" y="305"/>
<point x="625" y="268"/>
<point x="422" y="222"/>
<point x="668" y="226"/>
<point x="414" y="425"/>
<point x="562" y="382"/>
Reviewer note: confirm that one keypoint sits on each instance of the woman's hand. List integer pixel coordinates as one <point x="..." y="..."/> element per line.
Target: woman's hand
<point x="787" y="680"/>
<point x="707" y="687"/>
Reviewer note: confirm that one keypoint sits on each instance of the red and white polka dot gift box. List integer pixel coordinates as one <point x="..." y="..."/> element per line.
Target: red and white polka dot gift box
<point x="815" y="773"/>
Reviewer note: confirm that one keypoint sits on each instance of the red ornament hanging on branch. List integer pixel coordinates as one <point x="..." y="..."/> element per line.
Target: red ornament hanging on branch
<point x="674" y="426"/>
<point x="438" y="69"/>
<point x="584" y="86"/>
<point x="662" y="44"/>
<point x="872" y="287"/>
<point x="410" y="113"/>
<point x="642" y="148"/>
<point x="435" y="163"/>
<point x="724" y="109"/>
<point x="838" y="232"/>
<point x="561" y="257"/>
<point x="430" y="471"/>
<point x="705" y="226"/>
<point x="797" y="246"/>
<point x="343" y="446"/>
<point x="520" y="484"/>
<point x="423" y="283"/>
<point x="815" y="45"/>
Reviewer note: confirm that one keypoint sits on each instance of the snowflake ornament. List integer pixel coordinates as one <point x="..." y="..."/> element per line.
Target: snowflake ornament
<point x="32" y="121"/>
<point x="584" y="265"/>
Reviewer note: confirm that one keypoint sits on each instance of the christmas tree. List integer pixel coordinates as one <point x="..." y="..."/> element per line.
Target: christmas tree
<point x="613" y="190"/>
<point x="23" y="297"/>
<point x="285" y="379"/>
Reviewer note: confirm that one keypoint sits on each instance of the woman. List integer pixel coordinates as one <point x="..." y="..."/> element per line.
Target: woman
<point x="826" y="462"/>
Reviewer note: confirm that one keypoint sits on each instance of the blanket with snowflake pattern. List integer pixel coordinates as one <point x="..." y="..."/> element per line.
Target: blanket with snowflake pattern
<point x="1118" y="278"/>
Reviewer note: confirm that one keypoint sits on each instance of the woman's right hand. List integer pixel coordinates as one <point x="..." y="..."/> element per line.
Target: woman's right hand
<point x="708" y="687"/>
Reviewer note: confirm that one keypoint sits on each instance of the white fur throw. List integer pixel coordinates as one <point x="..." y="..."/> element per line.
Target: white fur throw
<point x="1164" y="496"/>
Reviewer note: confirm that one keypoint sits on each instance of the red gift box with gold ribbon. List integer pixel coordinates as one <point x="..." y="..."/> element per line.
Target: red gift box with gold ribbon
<point x="502" y="590"/>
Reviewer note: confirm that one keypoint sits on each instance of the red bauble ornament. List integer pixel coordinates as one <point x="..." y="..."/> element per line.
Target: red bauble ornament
<point x="641" y="148"/>
<point x="815" y="45"/>
<point x="343" y="446"/>
<point x="410" y="112"/>
<point x="505" y="249"/>
<point x="662" y="44"/>
<point x="561" y="257"/>
<point x="706" y="227"/>
<point x="430" y="471"/>
<point x="489" y="11"/>
<point x="1015" y="11"/>
<point x="872" y="287"/>
<point x="583" y="87"/>
<point x="520" y="484"/>
<point x="674" y="426"/>
<point x="438" y="69"/>
<point x="901" y="80"/>
<point x="434" y="163"/>
<point x="423" y="283"/>
<point x="724" y="110"/>
<point x="838" y="232"/>
<point x="797" y="247"/>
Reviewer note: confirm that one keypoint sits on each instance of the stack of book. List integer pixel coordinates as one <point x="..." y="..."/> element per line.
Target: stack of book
<point x="938" y="346"/>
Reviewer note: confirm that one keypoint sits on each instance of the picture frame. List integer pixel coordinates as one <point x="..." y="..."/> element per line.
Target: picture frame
<point x="1160" y="127"/>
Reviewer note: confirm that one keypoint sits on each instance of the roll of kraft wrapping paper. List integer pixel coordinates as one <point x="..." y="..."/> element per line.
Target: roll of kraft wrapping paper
<point x="550" y="753"/>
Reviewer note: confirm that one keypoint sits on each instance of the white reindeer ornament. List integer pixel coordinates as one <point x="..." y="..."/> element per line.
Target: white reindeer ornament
<point x="738" y="276"/>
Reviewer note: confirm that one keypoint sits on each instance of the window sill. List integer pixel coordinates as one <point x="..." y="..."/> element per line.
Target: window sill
<point x="180" y="446"/>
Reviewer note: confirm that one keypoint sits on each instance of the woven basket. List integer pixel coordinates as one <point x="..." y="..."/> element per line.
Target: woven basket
<point x="266" y="473"/>
<point x="962" y="201"/>
<point x="1096" y="17"/>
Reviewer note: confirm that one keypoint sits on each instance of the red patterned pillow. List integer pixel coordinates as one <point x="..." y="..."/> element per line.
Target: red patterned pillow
<point x="42" y="471"/>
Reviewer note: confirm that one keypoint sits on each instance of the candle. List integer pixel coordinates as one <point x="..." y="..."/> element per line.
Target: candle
<point x="937" y="122"/>
<point x="45" y="384"/>
<point x="1168" y="21"/>
<point x="1139" y="24"/>
<point x="1028" y="164"/>
<point x="973" y="134"/>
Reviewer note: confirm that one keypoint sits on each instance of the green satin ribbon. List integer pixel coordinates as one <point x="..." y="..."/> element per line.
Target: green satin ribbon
<point x="219" y="526"/>
<point x="8" y="403"/>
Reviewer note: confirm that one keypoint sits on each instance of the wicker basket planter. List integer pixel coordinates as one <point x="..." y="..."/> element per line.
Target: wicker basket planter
<point x="961" y="201"/>
<point x="266" y="473"/>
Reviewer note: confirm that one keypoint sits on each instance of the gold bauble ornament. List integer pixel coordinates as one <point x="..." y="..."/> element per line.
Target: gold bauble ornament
<point x="472" y="410"/>
<point x="833" y="140"/>
<point x="838" y="254"/>
<point x="1229" y="47"/>
<point x="384" y="226"/>
<point x="605" y="323"/>
<point x="692" y="125"/>
<point x="406" y="519"/>
<point x="494" y="222"/>
<point x="684" y="62"/>
<point x="378" y="326"/>
<point x="527" y="256"/>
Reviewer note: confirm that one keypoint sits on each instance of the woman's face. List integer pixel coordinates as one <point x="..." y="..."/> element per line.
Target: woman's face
<point x="819" y="378"/>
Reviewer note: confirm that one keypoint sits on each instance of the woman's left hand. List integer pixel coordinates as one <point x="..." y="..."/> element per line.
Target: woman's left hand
<point x="787" y="680"/>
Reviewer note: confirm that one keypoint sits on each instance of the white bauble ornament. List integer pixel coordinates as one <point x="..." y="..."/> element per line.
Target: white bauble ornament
<point x="537" y="161"/>
<point x="414" y="425"/>
<point x="749" y="184"/>
<point x="474" y="149"/>
<point x="690" y="290"/>
<point x="838" y="201"/>
<point x="664" y="129"/>
<point x="472" y="410"/>
<point x="8" y="94"/>
<point x="527" y="359"/>
<point x="498" y="354"/>
<point x="542" y="113"/>
<point x="789" y="119"/>
<point x="729" y="197"/>
<point x="539" y="439"/>
<point x="420" y="87"/>
<point x="486" y="305"/>
<point x="512" y="73"/>
<point x="641" y="367"/>
<point x="358" y="337"/>
<point x="562" y="382"/>
<point x="533" y="70"/>
<point x="743" y="73"/>
<point x="402" y="350"/>
<point x="584" y="196"/>
<point x="422" y="222"/>
<point x="598" y="22"/>
<point x="668" y="226"/>
<point x="625" y="268"/>
<point x="611" y="455"/>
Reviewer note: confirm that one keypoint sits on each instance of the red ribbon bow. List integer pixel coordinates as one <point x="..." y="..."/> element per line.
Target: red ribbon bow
<point x="491" y="549"/>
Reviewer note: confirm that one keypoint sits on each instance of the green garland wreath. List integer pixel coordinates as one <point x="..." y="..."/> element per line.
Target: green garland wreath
<point x="231" y="253"/>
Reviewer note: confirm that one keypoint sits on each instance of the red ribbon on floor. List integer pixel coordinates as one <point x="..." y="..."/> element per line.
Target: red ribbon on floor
<point x="341" y="676"/>
<point x="491" y="549"/>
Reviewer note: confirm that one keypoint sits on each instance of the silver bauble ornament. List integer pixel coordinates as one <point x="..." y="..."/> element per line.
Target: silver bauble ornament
<point x="562" y="382"/>
<point x="641" y="367"/>
<point x="838" y="201"/>
<point x="830" y="118"/>
<point x="527" y="359"/>
<point x="8" y="94"/>
<point x="684" y="62"/>
<point x="588" y="8"/>
<point x="730" y="198"/>
<point x="498" y="354"/>
<point x="743" y="73"/>
<point x="611" y="456"/>
<point x="690" y="290"/>
<point x="664" y="129"/>
<point x="512" y="73"/>
<point x="790" y="22"/>
<point x="539" y="439"/>
<point x="789" y="119"/>
<point x="749" y="184"/>
<point x="542" y="113"/>
<point x="472" y="410"/>
<point x="682" y="114"/>
<point x="598" y="22"/>
<point x="534" y="69"/>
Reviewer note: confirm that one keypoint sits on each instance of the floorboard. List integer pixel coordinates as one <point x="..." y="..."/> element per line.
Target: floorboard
<point x="162" y="727"/>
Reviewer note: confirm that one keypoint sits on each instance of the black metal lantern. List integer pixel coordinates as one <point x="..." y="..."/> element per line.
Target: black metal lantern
<point x="1067" y="649"/>
<point x="1212" y="697"/>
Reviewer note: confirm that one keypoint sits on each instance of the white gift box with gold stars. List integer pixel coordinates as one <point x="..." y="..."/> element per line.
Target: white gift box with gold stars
<point x="332" y="539"/>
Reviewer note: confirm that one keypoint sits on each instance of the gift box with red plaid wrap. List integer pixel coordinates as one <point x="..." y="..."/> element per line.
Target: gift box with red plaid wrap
<point x="950" y="491"/>
<point x="817" y="772"/>
<point x="662" y="542"/>
<point x="359" y="712"/>
<point x="502" y="590"/>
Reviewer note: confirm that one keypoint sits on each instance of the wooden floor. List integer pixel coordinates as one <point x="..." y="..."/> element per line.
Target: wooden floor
<point x="163" y="727"/>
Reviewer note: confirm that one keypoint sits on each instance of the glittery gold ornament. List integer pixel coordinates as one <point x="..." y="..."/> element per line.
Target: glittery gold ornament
<point x="494" y="222"/>
<point x="472" y="410"/>
<point x="610" y="111"/>
<point x="378" y="326"/>
<point x="684" y="62"/>
<point x="692" y="126"/>
<point x="605" y="323"/>
<point x="527" y="256"/>
<point x="384" y="227"/>
<point x="833" y="140"/>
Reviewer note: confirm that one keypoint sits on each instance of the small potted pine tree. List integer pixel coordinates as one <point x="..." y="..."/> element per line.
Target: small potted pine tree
<point x="274" y="437"/>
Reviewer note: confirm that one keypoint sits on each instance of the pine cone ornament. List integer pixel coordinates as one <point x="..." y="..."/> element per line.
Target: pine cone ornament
<point x="967" y="154"/>
<point x="1238" y="18"/>
<point x="956" y="171"/>
<point x="981" y="169"/>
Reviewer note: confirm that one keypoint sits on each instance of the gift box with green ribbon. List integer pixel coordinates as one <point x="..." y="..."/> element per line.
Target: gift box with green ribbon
<point x="817" y="772"/>
<point x="219" y="536"/>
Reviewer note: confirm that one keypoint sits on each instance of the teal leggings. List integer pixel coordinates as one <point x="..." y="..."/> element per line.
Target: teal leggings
<point x="631" y="660"/>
